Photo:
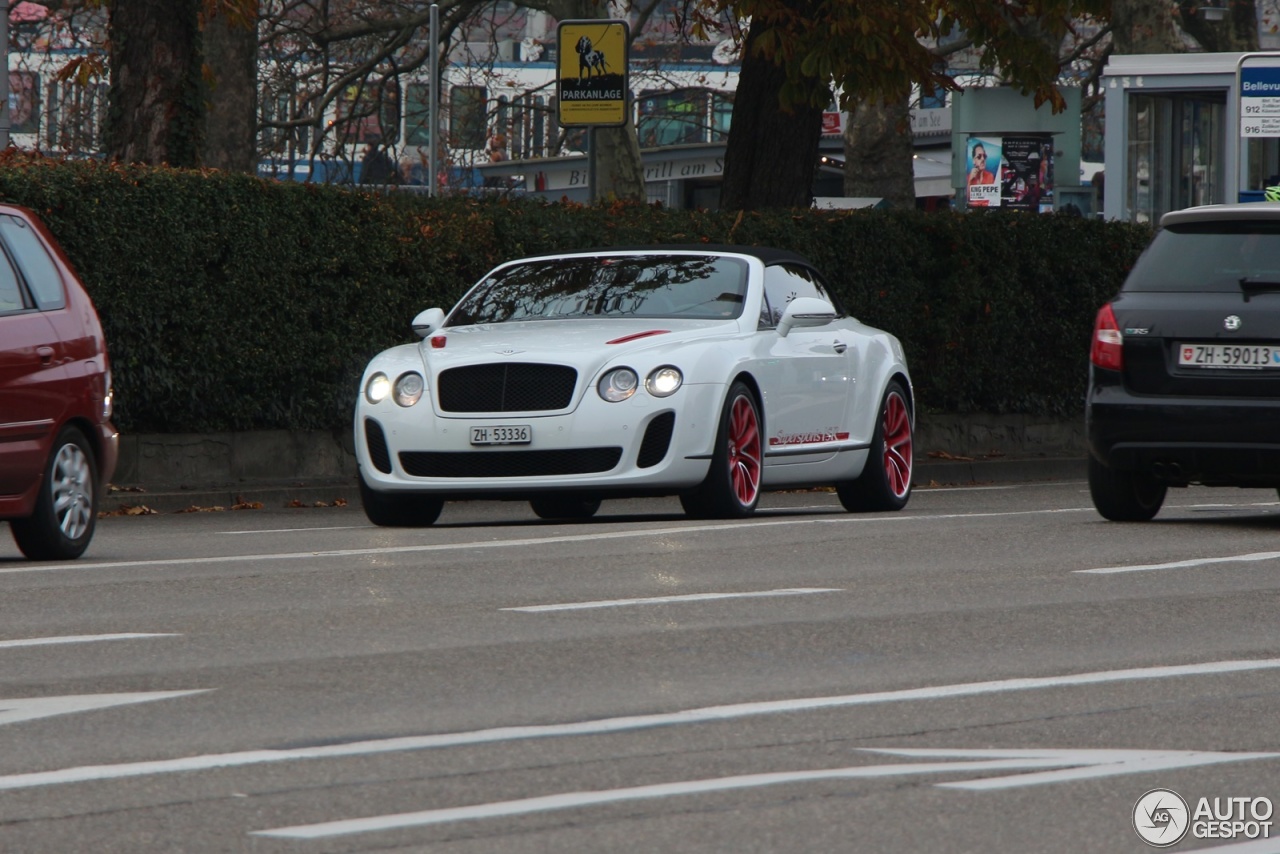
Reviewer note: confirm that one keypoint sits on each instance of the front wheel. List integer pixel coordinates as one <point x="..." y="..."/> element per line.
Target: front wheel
<point x="391" y="510"/>
<point x="1123" y="496"/>
<point x="67" y="505"/>
<point x="732" y="487"/>
<point x="564" y="506"/>
<point x="885" y="482"/>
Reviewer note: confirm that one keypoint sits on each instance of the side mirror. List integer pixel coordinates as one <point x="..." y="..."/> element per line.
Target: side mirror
<point x="427" y="322"/>
<point x="803" y="312"/>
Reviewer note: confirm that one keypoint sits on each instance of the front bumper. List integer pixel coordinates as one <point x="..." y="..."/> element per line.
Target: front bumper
<point x="642" y="446"/>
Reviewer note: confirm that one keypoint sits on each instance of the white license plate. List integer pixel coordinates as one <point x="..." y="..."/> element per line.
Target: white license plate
<point x="507" y="434"/>
<point x="1228" y="356"/>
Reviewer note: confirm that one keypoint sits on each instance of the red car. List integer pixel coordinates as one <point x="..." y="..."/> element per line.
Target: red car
<point x="57" y="444"/>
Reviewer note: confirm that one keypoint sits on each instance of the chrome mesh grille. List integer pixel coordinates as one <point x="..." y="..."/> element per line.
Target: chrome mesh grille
<point x="506" y="387"/>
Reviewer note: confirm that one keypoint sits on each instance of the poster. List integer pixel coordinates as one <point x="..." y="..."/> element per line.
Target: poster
<point x="982" y="165"/>
<point x="1013" y="172"/>
<point x="1026" y="176"/>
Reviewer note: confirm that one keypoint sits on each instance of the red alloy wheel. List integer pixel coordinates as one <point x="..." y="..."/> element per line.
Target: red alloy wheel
<point x="744" y="450"/>
<point x="897" y="444"/>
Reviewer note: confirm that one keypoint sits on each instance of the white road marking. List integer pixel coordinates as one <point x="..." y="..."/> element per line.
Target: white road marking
<point x="1181" y="564"/>
<point x="9" y="644"/>
<point x="688" y="597"/>
<point x="296" y="530"/>
<point x="629" y="533"/>
<point x="30" y="708"/>
<point x="706" y="714"/>
<point x="1085" y="763"/>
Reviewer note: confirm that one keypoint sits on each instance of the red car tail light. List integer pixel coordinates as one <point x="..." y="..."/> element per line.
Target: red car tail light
<point x="1108" y="344"/>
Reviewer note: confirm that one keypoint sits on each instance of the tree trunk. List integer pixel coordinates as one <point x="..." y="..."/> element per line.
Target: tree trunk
<point x="619" y="167"/>
<point x="154" y="99"/>
<point x="231" y="103"/>
<point x="879" y="154"/>
<point x="772" y="153"/>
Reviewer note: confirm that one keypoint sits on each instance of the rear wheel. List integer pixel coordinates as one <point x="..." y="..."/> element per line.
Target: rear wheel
<point x="392" y="510"/>
<point x="732" y="487"/>
<point x="67" y="506"/>
<point x="1123" y="496"/>
<point x="564" y="506"/>
<point x="885" y="482"/>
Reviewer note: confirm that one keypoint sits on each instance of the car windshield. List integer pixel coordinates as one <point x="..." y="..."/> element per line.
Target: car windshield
<point x="622" y="286"/>
<point x="1216" y="256"/>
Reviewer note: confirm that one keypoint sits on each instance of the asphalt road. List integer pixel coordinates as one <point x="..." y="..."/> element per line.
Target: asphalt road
<point x="993" y="670"/>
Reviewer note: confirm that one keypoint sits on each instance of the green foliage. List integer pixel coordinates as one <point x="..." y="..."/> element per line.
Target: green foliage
<point x="876" y="49"/>
<point x="232" y="303"/>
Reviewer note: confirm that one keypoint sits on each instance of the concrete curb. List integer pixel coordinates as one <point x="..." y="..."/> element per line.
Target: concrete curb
<point x="172" y="472"/>
<point x="346" y="492"/>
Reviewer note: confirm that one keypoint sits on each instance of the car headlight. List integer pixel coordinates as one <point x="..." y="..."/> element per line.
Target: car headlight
<point x="409" y="389"/>
<point x="378" y="388"/>
<point x="618" y="385"/>
<point x="663" y="382"/>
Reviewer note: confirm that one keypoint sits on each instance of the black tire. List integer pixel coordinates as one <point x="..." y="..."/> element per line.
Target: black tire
<point x="885" y="482"/>
<point x="395" y="510"/>
<point x="732" y="486"/>
<point x="564" y="506"/>
<point x="66" y="510"/>
<point x="1123" y="496"/>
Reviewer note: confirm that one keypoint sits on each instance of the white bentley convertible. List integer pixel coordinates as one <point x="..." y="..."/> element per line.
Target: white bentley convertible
<point x="711" y="373"/>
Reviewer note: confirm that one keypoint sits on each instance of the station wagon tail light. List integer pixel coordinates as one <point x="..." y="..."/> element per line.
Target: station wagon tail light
<point x="408" y="389"/>
<point x="378" y="388"/>
<point x="664" y="381"/>
<point x="618" y="385"/>
<point x="1108" y="343"/>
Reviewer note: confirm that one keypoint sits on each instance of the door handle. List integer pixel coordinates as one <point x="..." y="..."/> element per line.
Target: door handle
<point x="45" y="354"/>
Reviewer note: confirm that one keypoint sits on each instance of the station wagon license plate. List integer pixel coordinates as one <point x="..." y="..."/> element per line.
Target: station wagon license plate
<point x="1228" y="356"/>
<point x="507" y="434"/>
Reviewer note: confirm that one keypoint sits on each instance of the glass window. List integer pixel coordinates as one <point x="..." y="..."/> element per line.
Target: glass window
<point x="673" y="118"/>
<point x="1217" y="257"/>
<point x="417" y="114"/>
<point x="24" y="102"/>
<point x="466" y="116"/>
<point x="10" y="289"/>
<point x="667" y="286"/>
<point x="33" y="260"/>
<point x="1174" y="159"/>
<point x="370" y="112"/>
<point x="785" y="282"/>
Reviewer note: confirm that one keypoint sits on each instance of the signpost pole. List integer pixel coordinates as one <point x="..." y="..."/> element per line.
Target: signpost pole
<point x="433" y="102"/>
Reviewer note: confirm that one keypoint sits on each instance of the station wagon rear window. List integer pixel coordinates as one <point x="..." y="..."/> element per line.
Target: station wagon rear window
<point x="664" y="286"/>
<point x="1213" y="257"/>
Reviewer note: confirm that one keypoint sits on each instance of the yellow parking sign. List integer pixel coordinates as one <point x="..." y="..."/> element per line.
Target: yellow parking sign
<point x="592" y="81"/>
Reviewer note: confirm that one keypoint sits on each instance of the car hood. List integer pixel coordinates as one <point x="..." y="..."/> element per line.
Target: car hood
<point x="584" y="344"/>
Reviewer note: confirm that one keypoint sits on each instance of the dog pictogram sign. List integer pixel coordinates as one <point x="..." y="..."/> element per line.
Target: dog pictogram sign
<point x="592" y="80"/>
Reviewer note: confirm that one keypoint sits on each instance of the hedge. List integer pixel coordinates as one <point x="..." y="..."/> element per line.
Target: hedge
<point x="235" y="303"/>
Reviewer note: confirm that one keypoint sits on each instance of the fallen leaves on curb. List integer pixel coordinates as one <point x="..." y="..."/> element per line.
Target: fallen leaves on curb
<point x="197" y="509"/>
<point x="241" y="504"/>
<point x="337" y="502"/>
<point x="943" y="455"/>
<point x="130" y="510"/>
<point x="111" y="487"/>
